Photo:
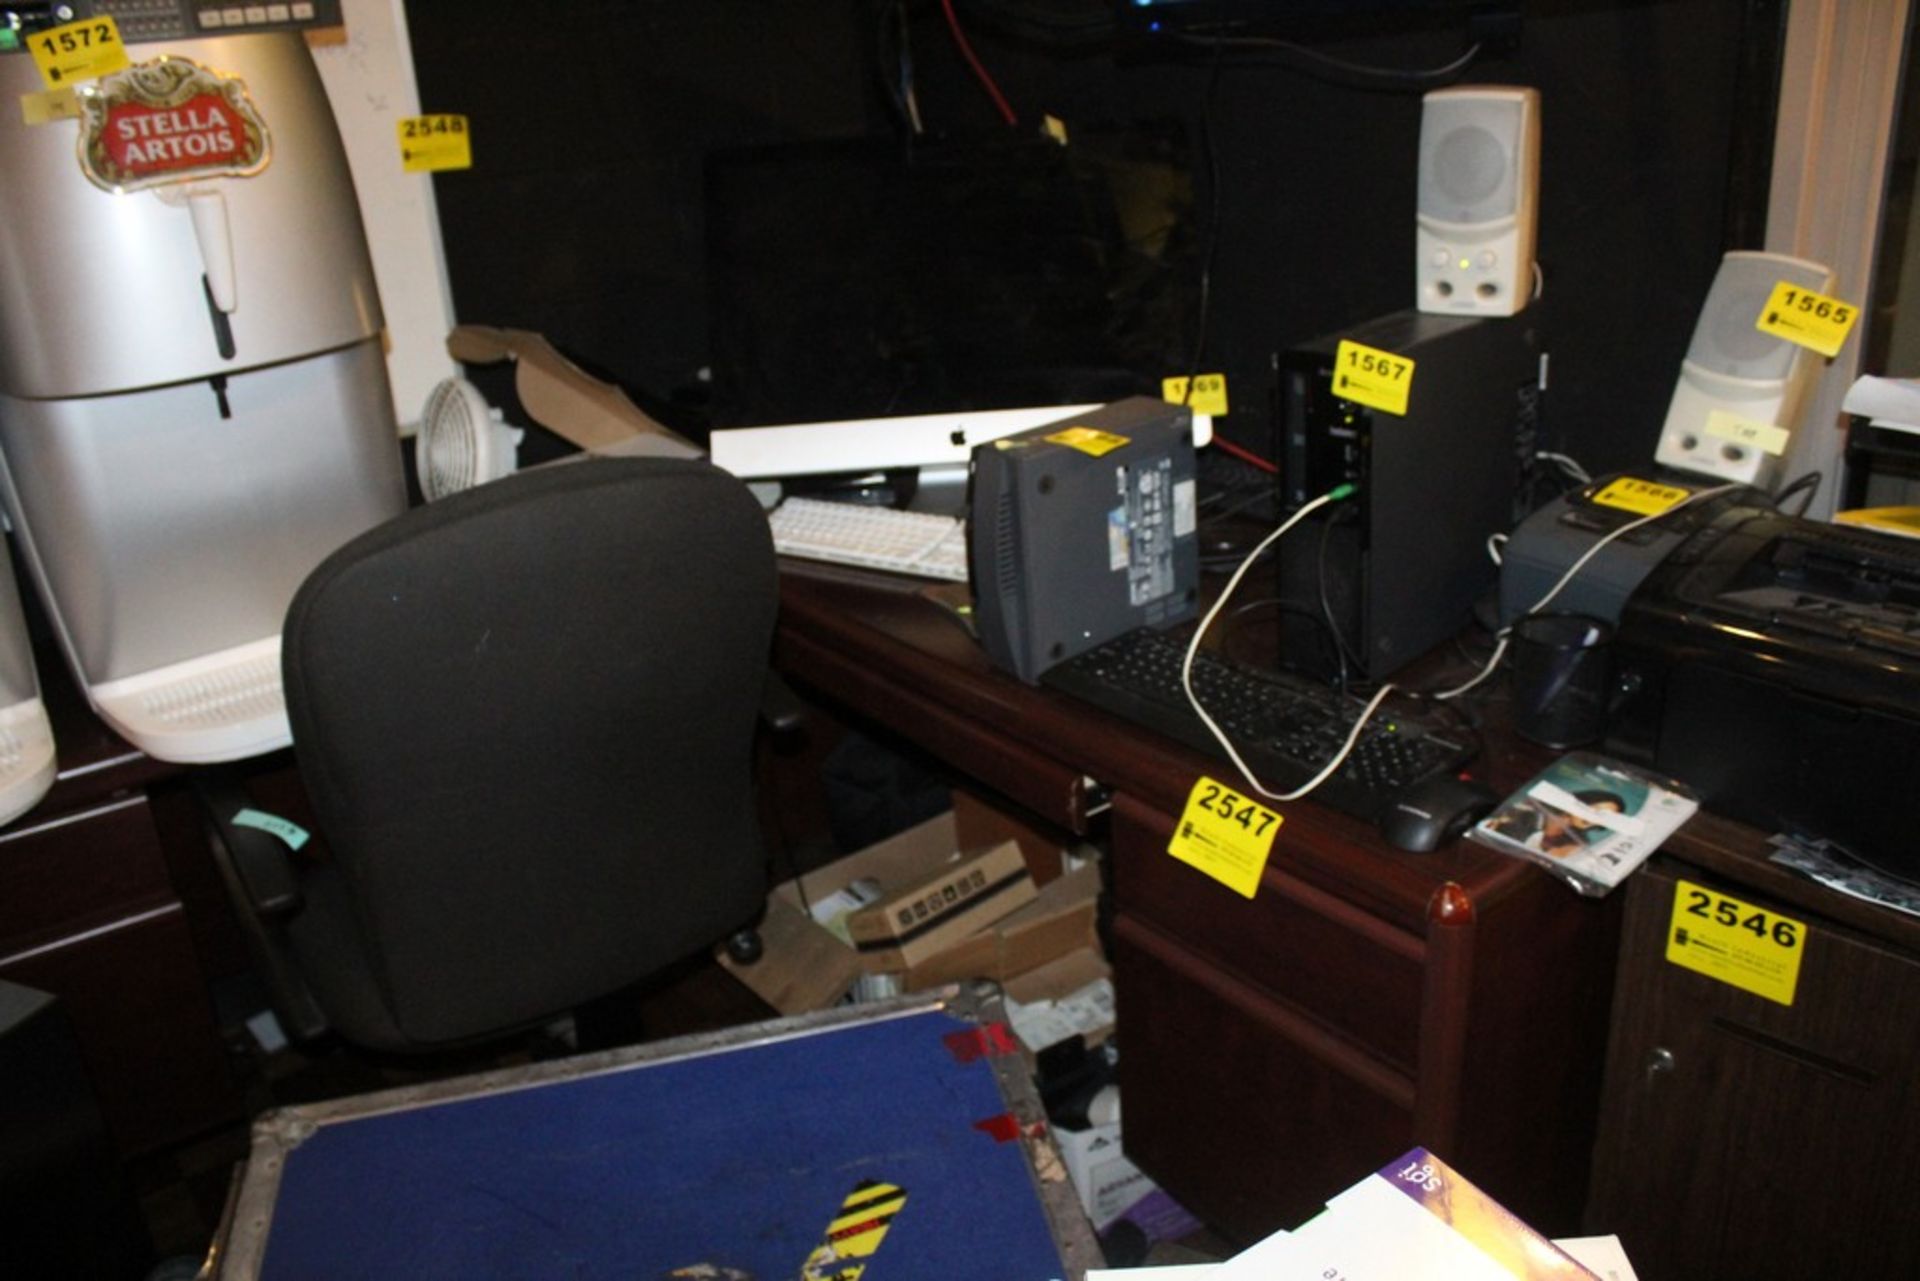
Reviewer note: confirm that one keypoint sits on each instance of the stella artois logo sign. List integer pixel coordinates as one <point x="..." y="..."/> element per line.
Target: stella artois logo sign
<point x="166" y="121"/>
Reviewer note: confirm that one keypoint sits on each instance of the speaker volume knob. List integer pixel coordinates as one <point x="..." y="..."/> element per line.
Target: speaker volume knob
<point x="1487" y="259"/>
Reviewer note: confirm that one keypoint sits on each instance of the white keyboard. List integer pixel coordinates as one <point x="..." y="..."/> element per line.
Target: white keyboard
<point x="877" y="537"/>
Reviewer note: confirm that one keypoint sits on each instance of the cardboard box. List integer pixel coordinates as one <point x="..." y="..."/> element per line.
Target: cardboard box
<point x="564" y="398"/>
<point x="1071" y="995"/>
<point x="924" y="911"/>
<point x="1059" y="921"/>
<point x="982" y="822"/>
<point x="805" y="967"/>
<point x="1108" y="1183"/>
<point x="1111" y="1187"/>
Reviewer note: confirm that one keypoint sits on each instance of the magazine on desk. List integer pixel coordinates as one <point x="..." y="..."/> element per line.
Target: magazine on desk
<point x="1588" y="819"/>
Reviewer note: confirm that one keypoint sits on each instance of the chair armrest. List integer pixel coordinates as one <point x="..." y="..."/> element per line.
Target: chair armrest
<point x="262" y="870"/>
<point x="780" y="708"/>
<point x="264" y="891"/>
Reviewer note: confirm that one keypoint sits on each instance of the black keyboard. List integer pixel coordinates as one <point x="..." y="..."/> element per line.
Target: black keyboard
<point x="1284" y="726"/>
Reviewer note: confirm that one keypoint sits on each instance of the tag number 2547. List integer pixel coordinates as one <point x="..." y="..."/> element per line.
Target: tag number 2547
<point x="1236" y="808"/>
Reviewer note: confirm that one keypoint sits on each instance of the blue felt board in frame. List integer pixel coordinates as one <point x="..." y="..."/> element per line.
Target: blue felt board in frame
<point x="738" y="1158"/>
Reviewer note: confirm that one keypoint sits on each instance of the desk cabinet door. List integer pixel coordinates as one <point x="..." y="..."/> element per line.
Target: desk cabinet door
<point x="1741" y="1138"/>
<point x="1253" y="1113"/>
<point x="87" y="913"/>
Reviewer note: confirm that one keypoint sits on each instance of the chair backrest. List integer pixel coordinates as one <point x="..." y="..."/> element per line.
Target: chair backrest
<point x="525" y="717"/>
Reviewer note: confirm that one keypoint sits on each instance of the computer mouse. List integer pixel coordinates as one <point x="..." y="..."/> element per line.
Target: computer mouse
<point x="1434" y="811"/>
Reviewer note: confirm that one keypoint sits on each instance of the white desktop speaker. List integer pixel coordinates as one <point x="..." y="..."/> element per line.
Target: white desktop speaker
<point x="1479" y="174"/>
<point x="461" y="441"/>
<point x="1740" y="390"/>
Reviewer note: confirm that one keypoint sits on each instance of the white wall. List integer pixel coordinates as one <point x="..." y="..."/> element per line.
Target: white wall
<point x="1838" y="92"/>
<point x="370" y="82"/>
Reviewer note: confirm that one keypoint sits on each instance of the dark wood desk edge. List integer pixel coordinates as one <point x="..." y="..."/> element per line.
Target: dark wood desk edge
<point x="876" y="641"/>
<point x="1515" y="965"/>
<point x="884" y="627"/>
<point x="1739" y="854"/>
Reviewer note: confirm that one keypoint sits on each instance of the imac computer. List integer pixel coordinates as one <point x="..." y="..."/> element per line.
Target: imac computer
<point x="936" y="446"/>
<point x="893" y="306"/>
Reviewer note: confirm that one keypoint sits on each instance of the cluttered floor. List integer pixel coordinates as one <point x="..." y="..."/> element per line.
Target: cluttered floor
<point x="181" y="1192"/>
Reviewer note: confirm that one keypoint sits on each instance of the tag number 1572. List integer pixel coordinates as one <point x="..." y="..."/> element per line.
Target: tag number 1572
<point x="77" y="38"/>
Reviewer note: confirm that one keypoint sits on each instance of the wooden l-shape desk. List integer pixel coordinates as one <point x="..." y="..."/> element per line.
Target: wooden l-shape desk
<point x="1272" y="1050"/>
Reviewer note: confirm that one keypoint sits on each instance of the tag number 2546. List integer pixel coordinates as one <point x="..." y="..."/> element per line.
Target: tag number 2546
<point x="1726" y="912"/>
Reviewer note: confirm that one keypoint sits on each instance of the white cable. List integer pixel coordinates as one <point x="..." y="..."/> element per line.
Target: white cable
<point x="1193" y="648"/>
<point x="1627" y="528"/>
<point x="1495" y="542"/>
<point x="1500" y="637"/>
<point x="1571" y="466"/>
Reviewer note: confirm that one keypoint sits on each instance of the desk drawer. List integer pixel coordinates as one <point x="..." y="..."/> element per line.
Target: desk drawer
<point x="1250" y="1117"/>
<point x="145" y="1024"/>
<point x="1300" y="945"/>
<point x="77" y="871"/>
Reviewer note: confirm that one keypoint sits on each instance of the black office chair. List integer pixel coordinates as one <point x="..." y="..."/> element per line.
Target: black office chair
<point x="525" y="718"/>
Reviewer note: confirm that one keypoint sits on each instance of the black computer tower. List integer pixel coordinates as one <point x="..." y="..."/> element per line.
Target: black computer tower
<point x="1376" y="580"/>
<point x="66" y="1209"/>
<point x="1083" y="529"/>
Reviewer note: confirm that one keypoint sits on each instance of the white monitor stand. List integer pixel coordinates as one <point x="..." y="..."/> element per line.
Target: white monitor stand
<point x="883" y="444"/>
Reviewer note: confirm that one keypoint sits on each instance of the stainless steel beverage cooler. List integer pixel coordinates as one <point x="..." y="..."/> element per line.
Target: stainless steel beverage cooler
<point x="193" y="395"/>
<point x="27" y="763"/>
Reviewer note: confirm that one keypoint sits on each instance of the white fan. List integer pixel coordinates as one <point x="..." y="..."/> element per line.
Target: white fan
<point x="462" y="441"/>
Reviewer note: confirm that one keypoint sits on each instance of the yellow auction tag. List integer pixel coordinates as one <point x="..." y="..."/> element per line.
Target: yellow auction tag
<point x="1904" y="521"/>
<point x="77" y="51"/>
<point x="432" y="143"/>
<point x="49" y="105"/>
<point x="1812" y="320"/>
<point x="1209" y="394"/>
<point x="1737" y="943"/>
<point x="1368" y="376"/>
<point x="1225" y="835"/>
<point x="1764" y="437"/>
<point x="1087" y="440"/>
<point x="1642" y="497"/>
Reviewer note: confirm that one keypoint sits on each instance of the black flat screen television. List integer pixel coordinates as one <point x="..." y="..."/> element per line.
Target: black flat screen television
<point x="869" y="278"/>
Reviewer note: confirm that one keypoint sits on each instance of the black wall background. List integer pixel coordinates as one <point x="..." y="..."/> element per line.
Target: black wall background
<point x="582" y="216"/>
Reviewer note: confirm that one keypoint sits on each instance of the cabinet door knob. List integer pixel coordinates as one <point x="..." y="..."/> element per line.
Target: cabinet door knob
<point x="1659" y="1060"/>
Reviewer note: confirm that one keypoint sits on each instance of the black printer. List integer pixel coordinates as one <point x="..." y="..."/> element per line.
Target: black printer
<point x="1772" y="664"/>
